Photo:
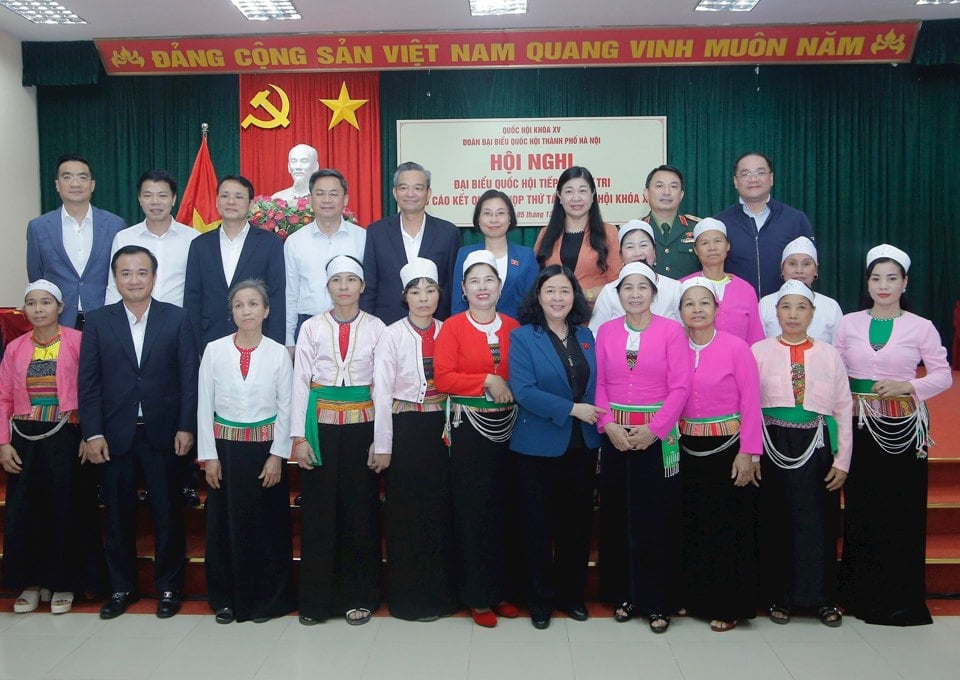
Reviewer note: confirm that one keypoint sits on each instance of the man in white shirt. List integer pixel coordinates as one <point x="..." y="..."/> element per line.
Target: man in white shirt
<point x="167" y="239"/>
<point x="301" y="163"/>
<point x="71" y="246"/>
<point x="307" y="251"/>
<point x="138" y="412"/>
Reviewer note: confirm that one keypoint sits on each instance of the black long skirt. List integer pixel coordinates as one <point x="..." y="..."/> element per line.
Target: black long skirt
<point x="340" y="563"/>
<point x="249" y="554"/>
<point x="419" y="520"/>
<point x="640" y="529"/>
<point x="799" y="524"/>
<point x="480" y="480"/>
<point x="51" y="535"/>
<point x="885" y="535"/>
<point x="719" y="534"/>
<point x="556" y="498"/>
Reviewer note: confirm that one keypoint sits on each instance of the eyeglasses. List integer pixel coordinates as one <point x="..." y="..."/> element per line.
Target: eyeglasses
<point x="747" y="174"/>
<point x="68" y="177"/>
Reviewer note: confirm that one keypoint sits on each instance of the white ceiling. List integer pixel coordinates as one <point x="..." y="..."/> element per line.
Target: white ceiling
<point x="175" y="18"/>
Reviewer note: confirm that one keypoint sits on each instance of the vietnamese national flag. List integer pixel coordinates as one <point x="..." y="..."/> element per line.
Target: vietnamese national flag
<point x="198" y="206"/>
<point x="338" y="114"/>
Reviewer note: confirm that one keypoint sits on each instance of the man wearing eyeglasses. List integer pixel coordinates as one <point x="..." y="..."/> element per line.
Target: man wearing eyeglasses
<point x="307" y="251"/>
<point x="71" y="246"/>
<point x="397" y="239"/>
<point x="758" y="226"/>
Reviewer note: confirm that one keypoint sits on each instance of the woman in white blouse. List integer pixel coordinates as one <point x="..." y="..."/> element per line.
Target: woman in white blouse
<point x="243" y="441"/>
<point x="409" y="420"/>
<point x="332" y="429"/>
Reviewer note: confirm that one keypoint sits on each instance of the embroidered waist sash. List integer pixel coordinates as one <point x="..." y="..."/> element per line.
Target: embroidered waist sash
<point x="629" y="415"/>
<point x="229" y="430"/>
<point x="897" y="424"/>
<point x="349" y="402"/>
<point x="717" y="426"/>
<point x="494" y="420"/>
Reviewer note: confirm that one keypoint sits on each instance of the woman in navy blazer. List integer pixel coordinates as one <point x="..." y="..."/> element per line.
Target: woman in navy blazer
<point x="555" y="436"/>
<point x="493" y="217"/>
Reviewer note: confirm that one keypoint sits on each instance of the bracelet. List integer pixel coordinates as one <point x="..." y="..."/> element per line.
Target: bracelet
<point x="299" y="440"/>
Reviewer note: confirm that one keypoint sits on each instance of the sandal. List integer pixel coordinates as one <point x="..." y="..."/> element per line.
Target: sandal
<point x="718" y="626"/>
<point x="29" y="599"/>
<point x="656" y="620"/>
<point x="623" y="613"/>
<point x="830" y="616"/>
<point x="61" y="602"/>
<point x="358" y="616"/>
<point x="779" y="615"/>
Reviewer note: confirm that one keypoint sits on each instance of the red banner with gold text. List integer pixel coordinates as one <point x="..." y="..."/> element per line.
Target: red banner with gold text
<point x="336" y="114"/>
<point x="658" y="46"/>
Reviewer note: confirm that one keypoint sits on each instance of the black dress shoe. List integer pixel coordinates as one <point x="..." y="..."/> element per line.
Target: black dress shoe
<point x="117" y="604"/>
<point x="577" y="612"/>
<point x="168" y="604"/>
<point x="191" y="499"/>
<point x="224" y="615"/>
<point x="261" y="619"/>
<point x="540" y="621"/>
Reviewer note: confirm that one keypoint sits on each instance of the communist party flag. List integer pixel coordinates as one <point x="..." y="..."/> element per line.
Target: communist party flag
<point x="338" y="114"/>
<point x="198" y="207"/>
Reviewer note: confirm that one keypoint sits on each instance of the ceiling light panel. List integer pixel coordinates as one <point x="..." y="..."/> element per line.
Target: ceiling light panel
<point x="267" y="10"/>
<point x="42" y="11"/>
<point x="483" y="8"/>
<point x="726" y="5"/>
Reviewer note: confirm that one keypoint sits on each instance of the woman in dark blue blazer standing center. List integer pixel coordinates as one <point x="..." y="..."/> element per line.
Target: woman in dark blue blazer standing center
<point x="556" y="439"/>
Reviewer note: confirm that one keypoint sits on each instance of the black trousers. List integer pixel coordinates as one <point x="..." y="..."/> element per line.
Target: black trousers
<point x="158" y="470"/>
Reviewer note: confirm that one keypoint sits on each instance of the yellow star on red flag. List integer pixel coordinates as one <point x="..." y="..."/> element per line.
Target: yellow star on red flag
<point x="343" y="108"/>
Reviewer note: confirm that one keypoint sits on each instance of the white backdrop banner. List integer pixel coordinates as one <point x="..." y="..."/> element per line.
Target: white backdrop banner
<point x="524" y="157"/>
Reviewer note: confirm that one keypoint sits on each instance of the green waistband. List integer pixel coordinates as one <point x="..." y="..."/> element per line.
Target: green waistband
<point x="244" y="426"/>
<point x="714" y="419"/>
<point x="480" y="402"/>
<point x="44" y="401"/>
<point x="800" y="415"/>
<point x="346" y="393"/>
<point x="861" y="386"/>
<point x="791" y="414"/>
<point x="636" y="408"/>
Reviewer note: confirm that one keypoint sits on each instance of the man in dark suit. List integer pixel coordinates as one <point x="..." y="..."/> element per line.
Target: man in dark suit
<point x="395" y="240"/>
<point x="234" y="252"/>
<point x="71" y="246"/>
<point x="138" y="409"/>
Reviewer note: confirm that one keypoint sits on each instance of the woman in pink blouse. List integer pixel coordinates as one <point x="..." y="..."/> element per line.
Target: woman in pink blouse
<point x="409" y="420"/>
<point x="884" y="550"/>
<point x="807" y="438"/>
<point x="721" y="444"/>
<point x="738" y="312"/>
<point x="643" y="381"/>
<point x="51" y="533"/>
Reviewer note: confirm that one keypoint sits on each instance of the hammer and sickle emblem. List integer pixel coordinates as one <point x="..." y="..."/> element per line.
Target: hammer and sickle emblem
<point x="261" y="100"/>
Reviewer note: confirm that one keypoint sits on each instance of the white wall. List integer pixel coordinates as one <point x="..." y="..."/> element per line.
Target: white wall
<point x="19" y="171"/>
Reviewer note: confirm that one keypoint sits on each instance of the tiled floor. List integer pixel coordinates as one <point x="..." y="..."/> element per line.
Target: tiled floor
<point x="142" y="647"/>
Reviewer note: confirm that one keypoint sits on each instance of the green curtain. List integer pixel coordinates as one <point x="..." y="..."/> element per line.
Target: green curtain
<point x="868" y="152"/>
<point x="127" y="125"/>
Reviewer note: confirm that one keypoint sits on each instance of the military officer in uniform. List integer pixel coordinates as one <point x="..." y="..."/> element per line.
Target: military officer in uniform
<point x="674" y="232"/>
